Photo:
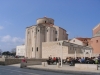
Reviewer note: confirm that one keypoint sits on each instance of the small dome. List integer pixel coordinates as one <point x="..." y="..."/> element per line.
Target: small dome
<point x="45" y="20"/>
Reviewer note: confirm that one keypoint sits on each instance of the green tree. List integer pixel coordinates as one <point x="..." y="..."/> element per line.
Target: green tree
<point x="6" y="53"/>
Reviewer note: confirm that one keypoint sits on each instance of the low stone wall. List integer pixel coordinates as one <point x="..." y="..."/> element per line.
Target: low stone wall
<point x="12" y="61"/>
<point x="4" y="61"/>
<point x="16" y="61"/>
<point x="35" y="61"/>
<point x="87" y="66"/>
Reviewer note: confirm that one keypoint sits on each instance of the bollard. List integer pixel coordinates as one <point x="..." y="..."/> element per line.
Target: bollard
<point x="43" y="63"/>
<point x="58" y="65"/>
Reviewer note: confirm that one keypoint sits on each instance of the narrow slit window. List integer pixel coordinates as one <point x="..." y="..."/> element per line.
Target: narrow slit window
<point x="37" y="49"/>
<point x="32" y="49"/>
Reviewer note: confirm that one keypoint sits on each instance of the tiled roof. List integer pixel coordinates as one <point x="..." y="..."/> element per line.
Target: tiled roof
<point x="84" y="40"/>
<point x="97" y="34"/>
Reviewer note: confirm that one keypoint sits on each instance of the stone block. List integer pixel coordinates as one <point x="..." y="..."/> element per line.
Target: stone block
<point x="46" y="64"/>
<point x="83" y="66"/>
<point x="58" y="65"/>
<point x="43" y="64"/>
<point x="86" y="66"/>
<point x="92" y="66"/>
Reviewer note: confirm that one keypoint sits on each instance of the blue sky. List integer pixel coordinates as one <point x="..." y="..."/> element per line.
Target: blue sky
<point x="78" y="17"/>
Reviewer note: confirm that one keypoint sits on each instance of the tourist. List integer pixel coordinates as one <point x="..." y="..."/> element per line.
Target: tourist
<point x="83" y="60"/>
<point x="96" y="60"/>
<point x="99" y="58"/>
<point x="56" y="60"/>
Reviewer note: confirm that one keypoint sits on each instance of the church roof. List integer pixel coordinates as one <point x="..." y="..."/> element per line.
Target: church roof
<point x="96" y="26"/>
<point x="84" y="40"/>
<point x="97" y="34"/>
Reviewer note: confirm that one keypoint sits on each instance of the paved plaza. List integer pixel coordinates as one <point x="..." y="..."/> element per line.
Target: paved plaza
<point x="15" y="70"/>
<point x="63" y="69"/>
<point x="41" y="70"/>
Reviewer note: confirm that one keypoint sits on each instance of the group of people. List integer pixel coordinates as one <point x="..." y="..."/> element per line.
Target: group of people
<point x="72" y="61"/>
<point x="53" y="60"/>
<point x="86" y="60"/>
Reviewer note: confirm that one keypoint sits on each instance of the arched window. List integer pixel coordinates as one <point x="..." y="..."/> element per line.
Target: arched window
<point x="55" y="32"/>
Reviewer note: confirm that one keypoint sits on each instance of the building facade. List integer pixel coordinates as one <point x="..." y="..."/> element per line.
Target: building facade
<point x="76" y="41"/>
<point x="54" y="49"/>
<point x="43" y="31"/>
<point x="20" y="50"/>
<point x="81" y="41"/>
<point x="95" y="41"/>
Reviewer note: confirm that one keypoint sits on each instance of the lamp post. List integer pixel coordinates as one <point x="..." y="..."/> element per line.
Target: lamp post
<point x="84" y="51"/>
<point x="75" y="52"/>
<point x="75" y="47"/>
<point x="61" y="52"/>
<point x="90" y="52"/>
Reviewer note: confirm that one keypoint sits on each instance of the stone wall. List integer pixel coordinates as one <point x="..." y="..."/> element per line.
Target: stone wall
<point x="53" y="49"/>
<point x="95" y="43"/>
<point x="16" y="61"/>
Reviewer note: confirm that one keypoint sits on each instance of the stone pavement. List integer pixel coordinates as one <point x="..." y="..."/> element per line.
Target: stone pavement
<point x="65" y="69"/>
<point x="15" y="65"/>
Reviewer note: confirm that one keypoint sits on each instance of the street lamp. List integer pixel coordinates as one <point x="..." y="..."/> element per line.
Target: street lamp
<point x="61" y="52"/>
<point x="75" y="47"/>
<point x="75" y="52"/>
<point x="90" y="52"/>
<point x="84" y="51"/>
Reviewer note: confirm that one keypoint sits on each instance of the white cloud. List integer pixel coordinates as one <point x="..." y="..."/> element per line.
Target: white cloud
<point x="1" y="27"/>
<point x="6" y="38"/>
<point x="17" y="39"/>
<point x="8" y="42"/>
<point x="9" y="39"/>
